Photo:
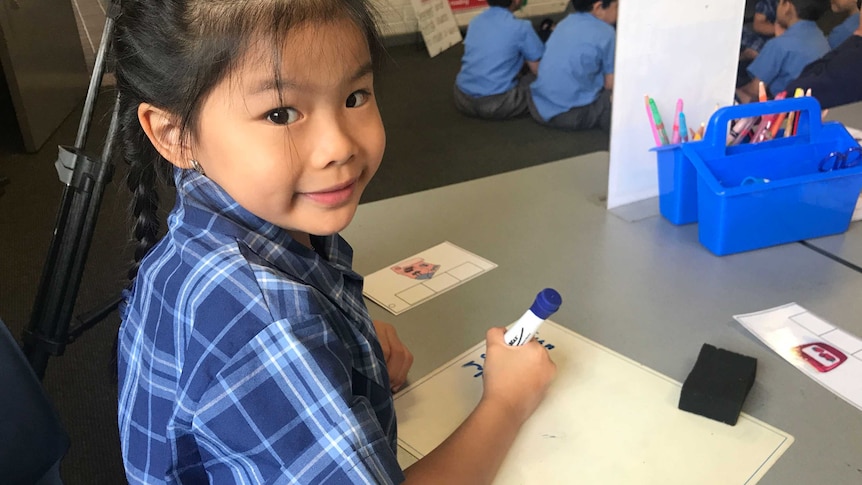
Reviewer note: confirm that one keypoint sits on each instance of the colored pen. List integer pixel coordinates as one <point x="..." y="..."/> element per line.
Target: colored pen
<point x="675" y="133"/>
<point x="790" y="130"/>
<point x="652" y="122"/>
<point x="683" y="129"/>
<point x="777" y="125"/>
<point x="547" y="302"/>
<point x="761" y="92"/>
<point x="796" y="121"/>
<point x="763" y="131"/>
<point x="739" y="129"/>
<point x="658" y="123"/>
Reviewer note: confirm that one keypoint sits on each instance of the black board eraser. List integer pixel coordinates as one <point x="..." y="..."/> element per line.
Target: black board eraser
<point x="717" y="385"/>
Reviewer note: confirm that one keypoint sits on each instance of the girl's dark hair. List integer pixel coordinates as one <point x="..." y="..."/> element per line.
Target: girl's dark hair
<point x="500" y="3"/>
<point x="172" y="53"/>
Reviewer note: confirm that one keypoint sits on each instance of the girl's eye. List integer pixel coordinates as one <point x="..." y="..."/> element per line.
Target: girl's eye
<point x="283" y="116"/>
<point x="357" y="99"/>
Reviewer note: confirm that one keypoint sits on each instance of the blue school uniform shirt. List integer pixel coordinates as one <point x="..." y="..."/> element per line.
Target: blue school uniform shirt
<point x="843" y="31"/>
<point x="246" y="357"/>
<point x="783" y="58"/>
<point x="495" y="48"/>
<point x="578" y="55"/>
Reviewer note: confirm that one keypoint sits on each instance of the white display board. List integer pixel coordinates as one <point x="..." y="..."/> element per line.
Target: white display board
<point x="668" y="50"/>
<point x="437" y="24"/>
<point x="606" y="420"/>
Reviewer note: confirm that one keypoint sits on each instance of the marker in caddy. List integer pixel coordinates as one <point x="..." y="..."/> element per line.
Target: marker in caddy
<point x="547" y="302"/>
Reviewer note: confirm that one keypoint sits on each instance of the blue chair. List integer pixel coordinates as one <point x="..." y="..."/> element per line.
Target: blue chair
<point x="32" y="439"/>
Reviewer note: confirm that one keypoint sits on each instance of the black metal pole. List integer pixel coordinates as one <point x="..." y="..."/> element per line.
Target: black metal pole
<point x="85" y="180"/>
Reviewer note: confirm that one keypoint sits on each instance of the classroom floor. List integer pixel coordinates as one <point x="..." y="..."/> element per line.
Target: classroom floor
<point x="428" y="145"/>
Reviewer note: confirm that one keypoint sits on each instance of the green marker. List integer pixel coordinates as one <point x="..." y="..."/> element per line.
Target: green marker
<point x="658" y="123"/>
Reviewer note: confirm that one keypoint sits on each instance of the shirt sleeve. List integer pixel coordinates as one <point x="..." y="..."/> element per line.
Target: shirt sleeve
<point x="533" y="48"/>
<point x="282" y="410"/>
<point x="767" y="65"/>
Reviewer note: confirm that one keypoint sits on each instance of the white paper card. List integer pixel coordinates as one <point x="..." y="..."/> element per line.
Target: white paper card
<point x="437" y="24"/>
<point x="824" y="352"/>
<point x="423" y="276"/>
<point x="606" y="420"/>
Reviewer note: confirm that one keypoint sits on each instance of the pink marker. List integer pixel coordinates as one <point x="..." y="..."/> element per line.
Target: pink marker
<point x="675" y="137"/>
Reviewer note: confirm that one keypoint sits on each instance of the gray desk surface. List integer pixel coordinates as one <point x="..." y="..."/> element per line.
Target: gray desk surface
<point x="646" y="289"/>
<point x="847" y="246"/>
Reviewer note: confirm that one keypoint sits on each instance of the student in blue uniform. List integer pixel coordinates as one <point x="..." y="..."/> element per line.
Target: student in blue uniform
<point x="834" y="79"/>
<point x="246" y="353"/>
<point x="783" y="58"/>
<point x="845" y="29"/>
<point x="761" y="29"/>
<point x="576" y="77"/>
<point x="496" y="47"/>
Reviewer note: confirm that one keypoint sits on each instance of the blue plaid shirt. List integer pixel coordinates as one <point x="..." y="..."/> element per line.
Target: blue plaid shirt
<point x="245" y="357"/>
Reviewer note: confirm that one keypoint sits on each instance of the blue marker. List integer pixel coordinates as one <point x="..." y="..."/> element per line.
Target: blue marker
<point x="547" y="302"/>
<point x="683" y="128"/>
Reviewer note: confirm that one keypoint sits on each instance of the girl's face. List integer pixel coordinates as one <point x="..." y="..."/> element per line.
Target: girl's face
<point x="300" y="162"/>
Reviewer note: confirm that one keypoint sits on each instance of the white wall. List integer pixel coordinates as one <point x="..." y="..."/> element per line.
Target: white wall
<point x="397" y="16"/>
<point x="667" y="49"/>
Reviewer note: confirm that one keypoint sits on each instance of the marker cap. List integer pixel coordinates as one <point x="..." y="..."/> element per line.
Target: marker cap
<point x="547" y="302"/>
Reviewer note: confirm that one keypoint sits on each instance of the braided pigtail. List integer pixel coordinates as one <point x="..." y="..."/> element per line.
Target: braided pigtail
<point x="145" y="173"/>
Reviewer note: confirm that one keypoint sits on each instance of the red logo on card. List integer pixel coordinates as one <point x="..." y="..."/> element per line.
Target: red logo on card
<point x="823" y="357"/>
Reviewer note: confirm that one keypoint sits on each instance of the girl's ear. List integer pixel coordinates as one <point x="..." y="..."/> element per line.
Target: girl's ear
<point x="163" y="133"/>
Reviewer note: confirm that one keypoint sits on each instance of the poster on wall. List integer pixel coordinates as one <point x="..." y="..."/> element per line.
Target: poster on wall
<point x="467" y="4"/>
<point x="437" y="25"/>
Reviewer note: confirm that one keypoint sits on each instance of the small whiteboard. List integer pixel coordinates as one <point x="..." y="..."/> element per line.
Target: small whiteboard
<point x="606" y="420"/>
<point x="437" y="24"/>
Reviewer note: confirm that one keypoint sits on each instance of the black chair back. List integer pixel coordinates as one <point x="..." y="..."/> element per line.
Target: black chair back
<point x="32" y="439"/>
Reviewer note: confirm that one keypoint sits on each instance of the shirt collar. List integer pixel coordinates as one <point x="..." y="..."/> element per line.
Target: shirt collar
<point x="498" y="10"/>
<point x="801" y="25"/>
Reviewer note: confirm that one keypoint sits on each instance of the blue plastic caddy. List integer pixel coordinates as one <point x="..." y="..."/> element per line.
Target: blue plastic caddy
<point x="677" y="185"/>
<point x="755" y="195"/>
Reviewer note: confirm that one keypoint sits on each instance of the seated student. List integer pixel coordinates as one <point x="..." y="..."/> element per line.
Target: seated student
<point x="834" y="78"/>
<point x="754" y="36"/>
<point x="495" y="49"/>
<point x="783" y="58"/>
<point x="760" y="30"/>
<point x="576" y="77"/>
<point x="845" y="29"/>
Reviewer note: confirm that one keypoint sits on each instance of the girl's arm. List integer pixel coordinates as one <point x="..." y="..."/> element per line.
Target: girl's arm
<point x="515" y="380"/>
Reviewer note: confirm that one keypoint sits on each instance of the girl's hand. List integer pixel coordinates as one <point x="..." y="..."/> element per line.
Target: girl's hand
<point x="398" y="357"/>
<point x="516" y="377"/>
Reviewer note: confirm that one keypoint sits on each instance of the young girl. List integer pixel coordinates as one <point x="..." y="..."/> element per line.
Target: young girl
<point x="246" y="353"/>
